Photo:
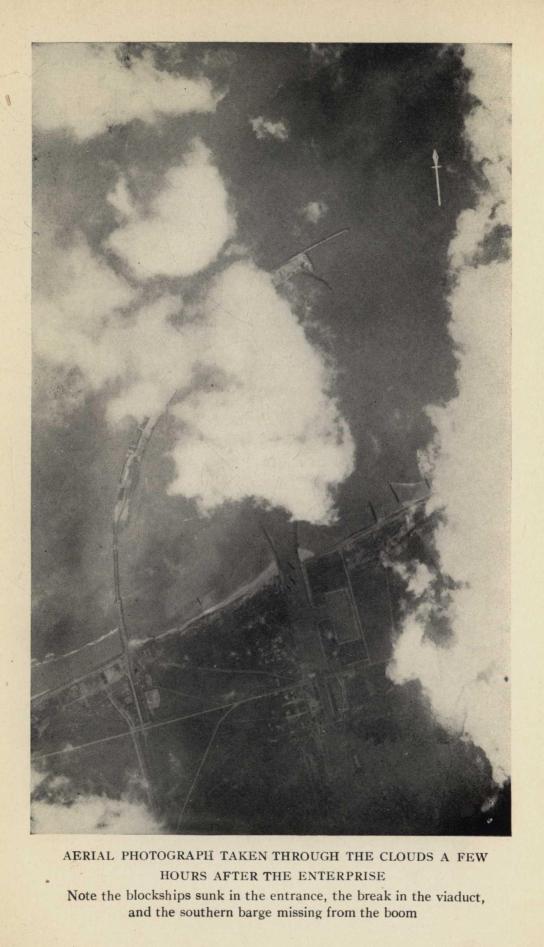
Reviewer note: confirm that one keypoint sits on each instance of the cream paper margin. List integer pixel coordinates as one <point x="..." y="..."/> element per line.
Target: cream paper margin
<point x="33" y="908"/>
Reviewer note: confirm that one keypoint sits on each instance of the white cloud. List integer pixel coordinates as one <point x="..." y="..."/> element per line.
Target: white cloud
<point x="159" y="357"/>
<point x="314" y="211"/>
<point x="417" y="576"/>
<point x="186" y="225"/>
<point x="121" y="200"/>
<point x="84" y="88"/>
<point x="56" y="807"/>
<point x="76" y="298"/>
<point x="262" y="424"/>
<point x="80" y="326"/>
<point x="36" y="778"/>
<point x="265" y="128"/>
<point x="269" y="428"/>
<point x="468" y="459"/>
<point x="93" y="815"/>
<point x="488" y="129"/>
<point x="236" y="249"/>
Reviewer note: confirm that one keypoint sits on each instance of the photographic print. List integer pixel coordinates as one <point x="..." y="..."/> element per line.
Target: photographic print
<point x="271" y="439"/>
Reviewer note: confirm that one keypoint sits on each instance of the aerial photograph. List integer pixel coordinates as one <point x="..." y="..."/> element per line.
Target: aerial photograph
<point x="271" y="446"/>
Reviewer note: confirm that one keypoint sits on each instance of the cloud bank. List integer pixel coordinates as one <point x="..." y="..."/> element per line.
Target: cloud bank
<point x="84" y="89"/>
<point x="56" y="808"/>
<point x="255" y="409"/>
<point x="256" y="412"/>
<point x="270" y="428"/>
<point x="466" y="679"/>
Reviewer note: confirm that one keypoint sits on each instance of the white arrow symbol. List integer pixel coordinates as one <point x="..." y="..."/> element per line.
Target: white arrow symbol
<point x="436" y="166"/>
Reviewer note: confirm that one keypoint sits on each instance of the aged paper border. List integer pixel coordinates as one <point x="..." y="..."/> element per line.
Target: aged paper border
<point x="34" y="878"/>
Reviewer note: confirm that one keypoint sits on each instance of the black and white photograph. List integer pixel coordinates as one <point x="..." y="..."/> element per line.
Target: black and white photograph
<point x="271" y="439"/>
